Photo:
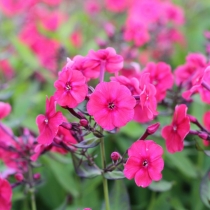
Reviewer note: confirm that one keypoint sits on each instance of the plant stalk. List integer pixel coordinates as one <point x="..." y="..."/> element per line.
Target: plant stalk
<point x="105" y="183"/>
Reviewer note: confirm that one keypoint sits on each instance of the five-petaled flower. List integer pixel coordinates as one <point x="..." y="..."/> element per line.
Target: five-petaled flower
<point x="48" y="124"/>
<point x="175" y="133"/>
<point x="145" y="162"/>
<point x="111" y="105"/>
<point x="71" y="88"/>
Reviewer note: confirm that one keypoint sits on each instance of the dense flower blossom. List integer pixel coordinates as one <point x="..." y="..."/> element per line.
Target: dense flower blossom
<point x="206" y="121"/>
<point x="195" y="62"/>
<point x="175" y="133"/>
<point x="146" y="109"/>
<point x="11" y="7"/>
<point x="145" y="162"/>
<point x="199" y="80"/>
<point x="131" y="83"/>
<point x="48" y="124"/>
<point x="161" y="77"/>
<point x="111" y="105"/>
<point x="5" y="109"/>
<point x="36" y="41"/>
<point x="71" y="88"/>
<point x="104" y="58"/>
<point x="5" y="195"/>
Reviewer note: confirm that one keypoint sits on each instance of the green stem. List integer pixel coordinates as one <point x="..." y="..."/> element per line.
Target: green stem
<point x="105" y="184"/>
<point x="31" y="190"/>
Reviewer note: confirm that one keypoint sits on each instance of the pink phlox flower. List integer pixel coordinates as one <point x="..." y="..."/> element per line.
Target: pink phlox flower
<point x="117" y="5"/>
<point x="200" y="77"/>
<point x="161" y="77"/>
<point x="64" y="135"/>
<point x="206" y="121"/>
<point x="37" y="42"/>
<point x="5" y="109"/>
<point x="76" y="38"/>
<point x="48" y="124"/>
<point x="146" y="109"/>
<point x="111" y="61"/>
<point x="71" y="88"/>
<point x="92" y="7"/>
<point x="111" y="105"/>
<point x="131" y="83"/>
<point x="197" y="60"/>
<point x="175" y="133"/>
<point x="136" y="31"/>
<point x="38" y="150"/>
<point x="80" y="65"/>
<point x="145" y="162"/>
<point x="173" y="13"/>
<point x="11" y="7"/>
<point x="5" y="194"/>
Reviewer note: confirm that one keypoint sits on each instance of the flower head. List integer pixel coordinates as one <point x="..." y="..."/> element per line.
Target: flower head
<point x="144" y="163"/>
<point x="71" y="88"/>
<point x="175" y="133"/>
<point x="48" y="124"/>
<point x="111" y="105"/>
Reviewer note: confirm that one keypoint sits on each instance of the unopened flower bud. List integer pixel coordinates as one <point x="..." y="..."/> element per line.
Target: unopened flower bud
<point x="37" y="176"/>
<point x="19" y="177"/>
<point x="83" y="122"/>
<point x="115" y="156"/>
<point x="153" y="128"/>
<point x="203" y="135"/>
<point x="192" y="118"/>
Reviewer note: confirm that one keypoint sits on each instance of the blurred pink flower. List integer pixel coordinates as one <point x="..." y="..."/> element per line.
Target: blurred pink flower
<point x="111" y="61"/>
<point x="11" y="7"/>
<point x="71" y="88"/>
<point x="48" y="124"/>
<point x="161" y="77"/>
<point x="111" y="105"/>
<point x="5" y="194"/>
<point x="175" y="133"/>
<point x="5" y="109"/>
<point x="145" y="162"/>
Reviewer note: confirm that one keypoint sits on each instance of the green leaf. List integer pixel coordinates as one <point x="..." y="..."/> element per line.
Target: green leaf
<point x="205" y="189"/>
<point x="84" y="169"/>
<point x="63" y="175"/>
<point x="114" y="175"/>
<point x="200" y="149"/>
<point x="88" y="143"/>
<point x="119" y="198"/>
<point x="182" y="163"/>
<point x="161" y="186"/>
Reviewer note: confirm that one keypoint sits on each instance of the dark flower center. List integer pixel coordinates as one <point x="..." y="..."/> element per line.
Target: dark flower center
<point x="145" y="163"/>
<point x="111" y="105"/>
<point x="68" y="86"/>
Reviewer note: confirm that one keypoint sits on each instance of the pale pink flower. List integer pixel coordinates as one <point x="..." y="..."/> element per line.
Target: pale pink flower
<point x="5" y="194"/>
<point x="145" y="162"/>
<point x="111" y="105"/>
<point x="48" y="124"/>
<point x="71" y="88"/>
<point x="175" y="133"/>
